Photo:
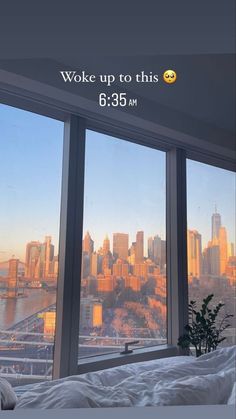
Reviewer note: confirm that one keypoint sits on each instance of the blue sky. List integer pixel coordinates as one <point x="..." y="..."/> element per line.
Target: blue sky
<point x="124" y="189"/>
<point x="30" y="179"/>
<point x="208" y="186"/>
<point x="124" y="186"/>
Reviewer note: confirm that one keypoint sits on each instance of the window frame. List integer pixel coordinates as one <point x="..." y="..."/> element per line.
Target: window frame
<point x="71" y="227"/>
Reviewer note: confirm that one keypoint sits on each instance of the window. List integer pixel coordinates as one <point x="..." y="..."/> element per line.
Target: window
<point x="30" y="183"/>
<point x="123" y="284"/>
<point x="211" y="237"/>
<point x="121" y="229"/>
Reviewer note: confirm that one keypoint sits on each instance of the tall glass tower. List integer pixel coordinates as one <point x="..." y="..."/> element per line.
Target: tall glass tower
<point x="215" y="224"/>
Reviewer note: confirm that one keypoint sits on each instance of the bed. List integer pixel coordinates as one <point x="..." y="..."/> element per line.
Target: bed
<point x="180" y="380"/>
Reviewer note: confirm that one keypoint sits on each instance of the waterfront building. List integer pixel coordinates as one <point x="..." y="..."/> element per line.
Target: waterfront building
<point x="39" y="260"/>
<point x="32" y="260"/>
<point x="49" y="325"/>
<point x="90" y="312"/>
<point x="12" y="290"/>
<point x="49" y="255"/>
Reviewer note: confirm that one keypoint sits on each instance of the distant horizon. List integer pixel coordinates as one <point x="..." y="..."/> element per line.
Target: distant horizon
<point x="125" y="186"/>
<point x="111" y="242"/>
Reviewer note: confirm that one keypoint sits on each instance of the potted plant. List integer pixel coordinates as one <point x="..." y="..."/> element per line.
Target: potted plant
<point x="204" y="331"/>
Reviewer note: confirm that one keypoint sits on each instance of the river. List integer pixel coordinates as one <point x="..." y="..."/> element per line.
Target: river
<point x="13" y="311"/>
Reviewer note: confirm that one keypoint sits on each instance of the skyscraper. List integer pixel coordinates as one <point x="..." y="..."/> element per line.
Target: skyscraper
<point x="49" y="255"/>
<point x="106" y="246"/>
<point x="218" y="252"/>
<point x="120" y="245"/>
<point x="215" y="225"/>
<point x="150" y="248"/>
<point x="107" y="263"/>
<point x="230" y="250"/>
<point x="32" y="260"/>
<point x="139" y="247"/>
<point x="213" y="259"/>
<point x="223" y="245"/>
<point x="132" y="251"/>
<point x="12" y="278"/>
<point x="88" y="244"/>
<point x="39" y="260"/>
<point x="157" y="250"/>
<point x="163" y="254"/>
<point x="194" y="253"/>
<point x="94" y="264"/>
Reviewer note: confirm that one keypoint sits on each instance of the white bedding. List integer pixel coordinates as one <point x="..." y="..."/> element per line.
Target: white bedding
<point x="171" y="381"/>
<point x="8" y="398"/>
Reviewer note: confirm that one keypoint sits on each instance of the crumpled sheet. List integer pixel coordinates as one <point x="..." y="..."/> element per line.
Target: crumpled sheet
<point x="8" y="398"/>
<point x="171" y="381"/>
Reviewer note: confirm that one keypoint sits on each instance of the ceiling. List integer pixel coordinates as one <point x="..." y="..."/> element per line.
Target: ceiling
<point x="199" y="43"/>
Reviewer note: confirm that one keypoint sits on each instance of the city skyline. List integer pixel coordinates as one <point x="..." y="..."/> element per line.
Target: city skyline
<point x="218" y="232"/>
<point x="99" y="244"/>
<point x="124" y="186"/>
<point x="123" y="293"/>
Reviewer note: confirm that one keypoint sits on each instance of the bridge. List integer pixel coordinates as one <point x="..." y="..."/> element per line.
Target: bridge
<point x="26" y="353"/>
<point x="38" y="365"/>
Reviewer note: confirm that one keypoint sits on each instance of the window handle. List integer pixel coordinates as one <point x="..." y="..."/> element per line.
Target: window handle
<point x="127" y="350"/>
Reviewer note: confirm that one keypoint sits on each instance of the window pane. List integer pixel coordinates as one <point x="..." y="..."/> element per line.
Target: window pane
<point x="30" y="182"/>
<point x="211" y="239"/>
<point x="123" y="293"/>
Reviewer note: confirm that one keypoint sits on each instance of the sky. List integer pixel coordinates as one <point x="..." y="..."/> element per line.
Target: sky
<point x="124" y="186"/>
<point x="124" y="189"/>
<point x="209" y="187"/>
<point x="30" y="179"/>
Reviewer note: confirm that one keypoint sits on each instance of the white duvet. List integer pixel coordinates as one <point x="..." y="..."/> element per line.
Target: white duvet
<point x="8" y="398"/>
<point x="171" y="381"/>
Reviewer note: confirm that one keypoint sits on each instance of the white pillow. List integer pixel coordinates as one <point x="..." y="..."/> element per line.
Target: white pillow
<point x="8" y="398"/>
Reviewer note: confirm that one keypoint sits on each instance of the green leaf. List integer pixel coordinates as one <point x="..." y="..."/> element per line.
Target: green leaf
<point x="203" y="330"/>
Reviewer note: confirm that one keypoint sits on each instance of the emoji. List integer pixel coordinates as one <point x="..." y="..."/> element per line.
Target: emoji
<point x="169" y="76"/>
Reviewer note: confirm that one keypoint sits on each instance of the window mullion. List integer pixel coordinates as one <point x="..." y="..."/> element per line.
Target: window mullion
<point x="176" y="244"/>
<point x="70" y="251"/>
